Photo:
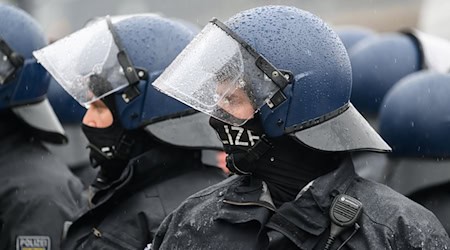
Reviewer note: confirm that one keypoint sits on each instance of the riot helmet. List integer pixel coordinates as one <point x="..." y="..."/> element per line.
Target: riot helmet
<point x="117" y="59"/>
<point x="414" y="120"/>
<point x="295" y="78"/>
<point x="379" y="62"/>
<point x="23" y="82"/>
<point x="413" y="117"/>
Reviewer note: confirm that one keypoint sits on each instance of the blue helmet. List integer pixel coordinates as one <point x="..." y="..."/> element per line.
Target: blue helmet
<point x="23" y="82"/>
<point x="290" y="63"/>
<point x="377" y="64"/>
<point x="351" y="35"/>
<point x="414" y="117"/>
<point x="414" y="120"/>
<point x="120" y="57"/>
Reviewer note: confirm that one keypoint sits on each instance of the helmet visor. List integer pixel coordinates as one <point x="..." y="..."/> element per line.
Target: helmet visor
<point x="85" y="63"/>
<point x="217" y="75"/>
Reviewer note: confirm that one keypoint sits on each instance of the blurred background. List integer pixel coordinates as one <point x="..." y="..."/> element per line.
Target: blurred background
<point x="378" y="63"/>
<point x="61" y="17"/>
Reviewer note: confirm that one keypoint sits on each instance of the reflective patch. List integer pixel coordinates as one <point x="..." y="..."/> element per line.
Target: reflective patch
<point x="33" y="243"/>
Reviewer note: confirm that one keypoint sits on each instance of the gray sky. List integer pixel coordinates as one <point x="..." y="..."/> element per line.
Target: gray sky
<point x="61" y="17"/>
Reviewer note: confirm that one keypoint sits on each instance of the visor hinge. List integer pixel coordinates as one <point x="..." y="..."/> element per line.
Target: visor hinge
<point x="16" y="59"/>
<point x="142" y="73"/>
<point x="287" y="75"/>
<point x="130" y="93"/>
<point x="276" y="99"/>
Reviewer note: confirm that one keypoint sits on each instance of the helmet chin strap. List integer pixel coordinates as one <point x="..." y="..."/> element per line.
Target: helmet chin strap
<point x="106" y="153"/>
<point x="244" y="144"/>
<point x="253" y="154"/>
<point x="120" y="150"/>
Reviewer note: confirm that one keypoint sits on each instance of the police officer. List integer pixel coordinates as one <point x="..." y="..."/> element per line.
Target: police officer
<point x="38" y="193"/>
<point x="145" y="144"/>
<point x="276" y="82"/>
<point x="414" y="120"/>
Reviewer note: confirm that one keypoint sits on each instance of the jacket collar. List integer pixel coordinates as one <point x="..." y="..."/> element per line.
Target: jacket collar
<point x="242" y="202"/>
<point x="302" y="220"/>
<point x="154" y="165"/>
<point x="305" y="219"/>
<point x="326" y="187"/>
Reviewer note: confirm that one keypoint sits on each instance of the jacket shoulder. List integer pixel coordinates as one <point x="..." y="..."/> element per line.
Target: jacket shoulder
<point x="378" y="198"/>
<point x="411" y="224"/>
<point x="217" y="188"/>
<point x="207" y="198"/>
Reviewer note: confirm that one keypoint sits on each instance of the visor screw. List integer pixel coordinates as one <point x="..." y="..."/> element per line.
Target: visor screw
<point x="275" y="74"/>
<point x="141" y="74"/>
<point x="129" y="69"/>
<point x="272" y="159"/>
<point x="280" y="122"/>
<point x="125" y="98"/>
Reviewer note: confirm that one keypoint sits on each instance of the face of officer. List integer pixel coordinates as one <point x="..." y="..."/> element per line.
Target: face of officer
<point x="237" y="103"/>
<point x="98" y="115"/>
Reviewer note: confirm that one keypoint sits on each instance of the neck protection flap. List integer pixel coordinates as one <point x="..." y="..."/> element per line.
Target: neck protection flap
<point x="285" y="165"/>
<point x="112" y="147"/>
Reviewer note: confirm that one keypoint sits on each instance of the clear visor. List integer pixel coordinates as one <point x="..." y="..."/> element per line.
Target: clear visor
<point x="216" y="75"/>
<point x="6" y="68"/>
<point x="85" y="63"/>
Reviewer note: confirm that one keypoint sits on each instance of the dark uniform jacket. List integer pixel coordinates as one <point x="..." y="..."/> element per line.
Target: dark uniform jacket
<point x="237" y="214"/>
<point x="38" y="194"/>
<point x="127" y="213"/>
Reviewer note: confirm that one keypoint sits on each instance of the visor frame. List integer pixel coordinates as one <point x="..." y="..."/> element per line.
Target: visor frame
<point x="132" y="75"/>
<point x="107" y="61"/>
<point x="279" y="77"/>
<point x="15" y="59"/>
<point x="194" y="80"/>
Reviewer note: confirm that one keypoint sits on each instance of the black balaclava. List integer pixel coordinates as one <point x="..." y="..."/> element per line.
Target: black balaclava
<point x="286" y="167"/>
<point x="112" y="147"/>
